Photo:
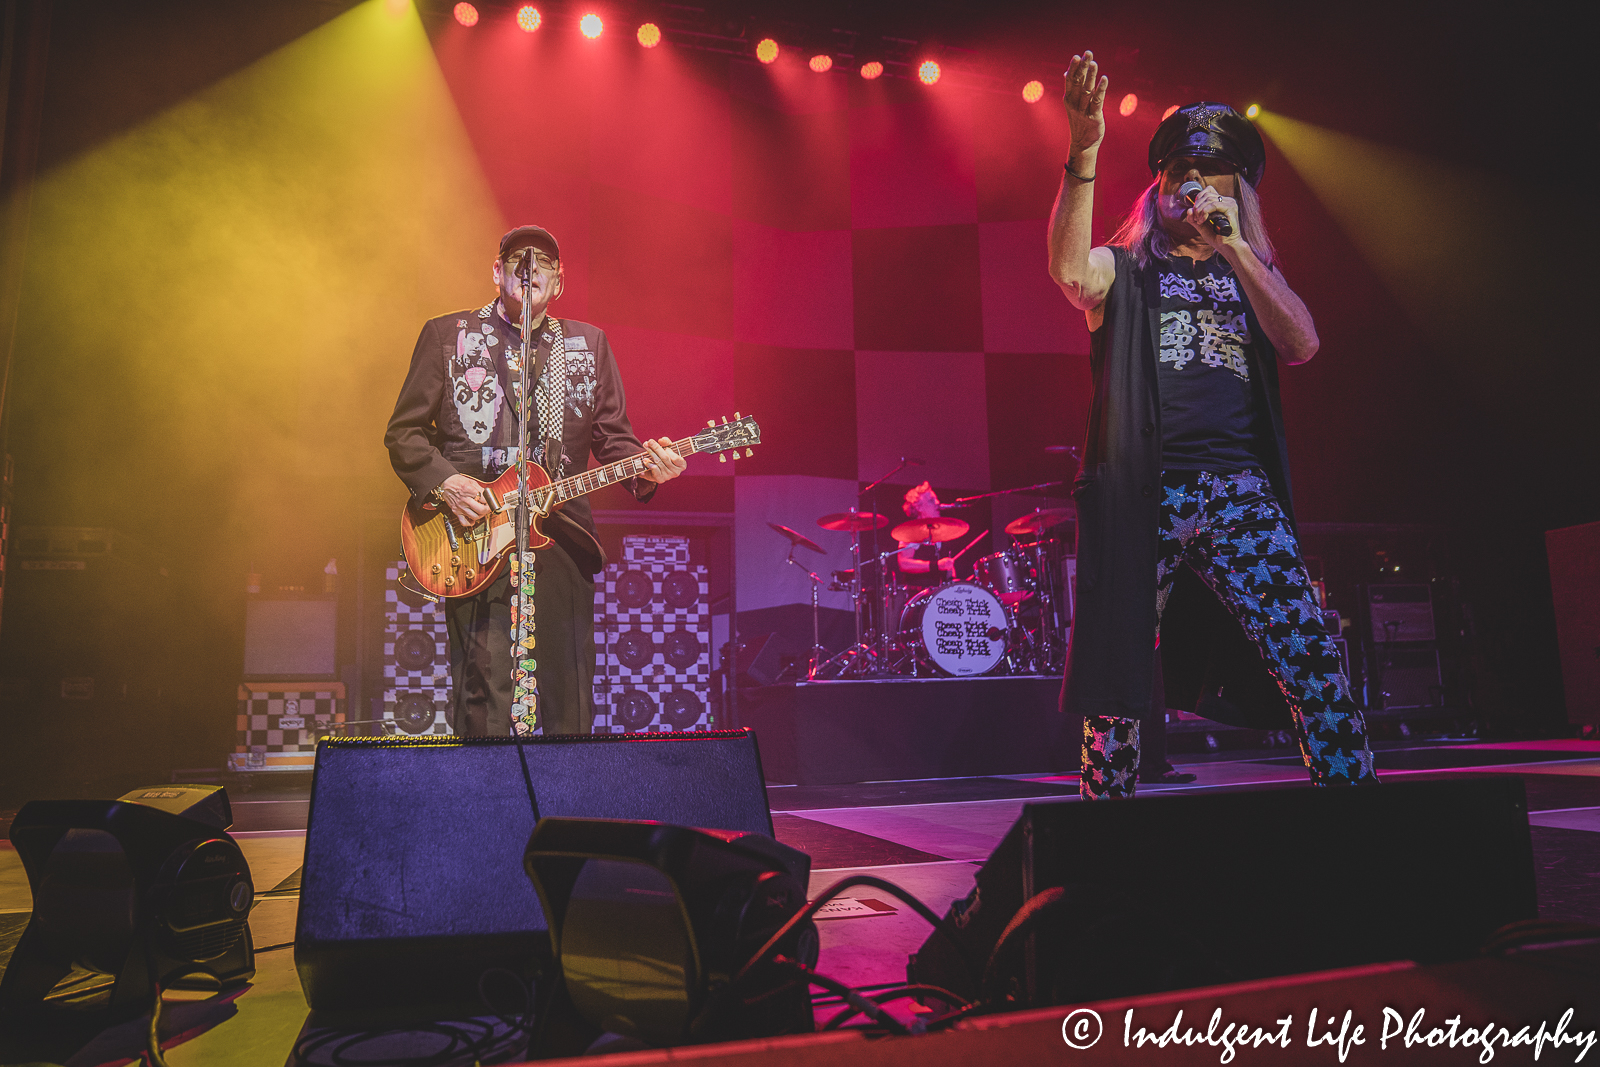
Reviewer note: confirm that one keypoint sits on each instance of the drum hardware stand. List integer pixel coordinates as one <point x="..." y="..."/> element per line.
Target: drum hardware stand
<point x="814" y="661"/>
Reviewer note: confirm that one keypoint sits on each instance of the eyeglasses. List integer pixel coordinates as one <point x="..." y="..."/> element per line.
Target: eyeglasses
<point x="540" y="260"/>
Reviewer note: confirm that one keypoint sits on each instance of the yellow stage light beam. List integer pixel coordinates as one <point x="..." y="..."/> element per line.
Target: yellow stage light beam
<point x="245" y="273"/>
<point x="1445" y="240"/>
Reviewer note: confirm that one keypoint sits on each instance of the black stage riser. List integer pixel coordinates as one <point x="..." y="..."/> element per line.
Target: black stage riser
<point x="827" y="733"/>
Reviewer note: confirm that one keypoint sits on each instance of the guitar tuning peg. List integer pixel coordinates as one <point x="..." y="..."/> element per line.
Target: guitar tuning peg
<point x="735" y="416"/>
<point x="736" y="453"/>
<point x="749" y="452"/>
<point x="722" y="457"/>
<point x="724" y="420"/>
<point x="711" y="422"/>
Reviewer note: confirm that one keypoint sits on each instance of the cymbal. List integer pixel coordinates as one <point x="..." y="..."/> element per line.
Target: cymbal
<point x="1040" y="520"/>
<point x="929" y="530"/>
<point x="798" y="538"/>
<point x="850" y="521"/>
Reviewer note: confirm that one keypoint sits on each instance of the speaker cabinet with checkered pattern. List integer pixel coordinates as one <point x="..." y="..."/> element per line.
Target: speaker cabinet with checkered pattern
<point x="652" y="640"/>
<point x="416" y="658"/>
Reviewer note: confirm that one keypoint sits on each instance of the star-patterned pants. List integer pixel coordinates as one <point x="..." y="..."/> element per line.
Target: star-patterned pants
<point x="1230" y="529"/>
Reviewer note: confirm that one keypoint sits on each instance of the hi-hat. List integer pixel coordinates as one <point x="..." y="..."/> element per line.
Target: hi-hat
<point x="1040" y="521"/>
<point x="798" y="538"/>
<point x="929" y="530"/>
<point x="851" y="521"/>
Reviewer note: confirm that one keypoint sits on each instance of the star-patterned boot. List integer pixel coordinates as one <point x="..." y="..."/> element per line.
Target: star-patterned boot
<point x="1110" y="757"/>
<point x="1334" y="745"/>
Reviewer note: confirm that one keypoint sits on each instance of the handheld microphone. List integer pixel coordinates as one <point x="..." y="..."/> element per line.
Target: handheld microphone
<point x="1219" y="221"/>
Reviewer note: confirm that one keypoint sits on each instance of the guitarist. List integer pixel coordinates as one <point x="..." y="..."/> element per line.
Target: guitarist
<point x="457" y="416"/>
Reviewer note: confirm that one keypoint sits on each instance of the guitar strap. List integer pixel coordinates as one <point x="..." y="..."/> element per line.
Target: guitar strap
<point x="549" y="404"/>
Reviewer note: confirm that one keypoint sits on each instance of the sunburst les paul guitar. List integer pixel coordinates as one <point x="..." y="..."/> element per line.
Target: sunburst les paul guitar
<point x="449" y="560"/>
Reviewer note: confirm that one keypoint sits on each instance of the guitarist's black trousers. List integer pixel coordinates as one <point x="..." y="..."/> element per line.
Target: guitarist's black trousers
<point x="480" y="650"/>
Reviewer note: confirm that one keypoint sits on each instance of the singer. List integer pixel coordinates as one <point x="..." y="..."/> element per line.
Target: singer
<point x="457" y="415"/>
<point x="1184" y="508"/>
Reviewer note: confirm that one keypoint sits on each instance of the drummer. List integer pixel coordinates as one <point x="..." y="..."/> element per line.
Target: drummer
<point x="923" y="563"/>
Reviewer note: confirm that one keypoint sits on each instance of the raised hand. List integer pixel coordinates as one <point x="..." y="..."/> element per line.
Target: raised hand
<point x="1085" y="99"/>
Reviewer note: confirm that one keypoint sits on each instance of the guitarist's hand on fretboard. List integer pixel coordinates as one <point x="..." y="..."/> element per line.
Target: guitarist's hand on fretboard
<point x="464" y="497"/>
<point x="664" y="463"/>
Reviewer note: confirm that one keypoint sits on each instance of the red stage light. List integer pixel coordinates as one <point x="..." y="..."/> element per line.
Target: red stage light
<point x="1167" y="114"/>
<point x="590" y="25"/>
<point x="528" y="18"/>
<point x="871" y="69"/>
<point x="1129" y="105"/>
<point x="767" y="50"/>
<point x="649" y="35"/>
<point x="1033" y="92"/>
<point x="466" y="14"/>
<point x="928" y="72"/>
<point x="822" y="64"/>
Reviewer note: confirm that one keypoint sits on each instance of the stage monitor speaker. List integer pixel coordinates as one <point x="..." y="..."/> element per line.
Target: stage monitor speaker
<point x="413" y="884"/>
<point x="1123" y="898"/>
<point x="761" y="659"/>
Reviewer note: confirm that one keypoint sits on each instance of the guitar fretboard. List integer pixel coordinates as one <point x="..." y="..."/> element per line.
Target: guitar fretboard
<point x="600" y="477"/>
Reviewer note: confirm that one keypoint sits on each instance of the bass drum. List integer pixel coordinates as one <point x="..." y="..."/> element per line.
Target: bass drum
<point x="959" y="628"/>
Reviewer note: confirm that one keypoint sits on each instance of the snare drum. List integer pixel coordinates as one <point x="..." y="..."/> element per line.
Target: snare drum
<point x="959" y="628"/>
<point x="1007" y="575"/>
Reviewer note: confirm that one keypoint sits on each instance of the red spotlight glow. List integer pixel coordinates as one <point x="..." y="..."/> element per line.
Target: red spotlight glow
<point x="1033" y="92"/>
<point x="528" y="18"/>
<point x="466" y="14"/>
<point x="1129" y="105"/>
<point x="871" y="69"/>
<point x="767" y="50"/>
<point x="929" y="72"/>
<point x="1167" y="114"/>
<point x="649" y="35"/>
<point x="590" y="25"/>
<point x="822" y="64"/>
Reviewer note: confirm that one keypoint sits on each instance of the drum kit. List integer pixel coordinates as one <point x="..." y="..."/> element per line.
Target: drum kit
<point x="1009" y="618"/>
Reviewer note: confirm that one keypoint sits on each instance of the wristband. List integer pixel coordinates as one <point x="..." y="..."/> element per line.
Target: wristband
<point x="1068" y="168"/>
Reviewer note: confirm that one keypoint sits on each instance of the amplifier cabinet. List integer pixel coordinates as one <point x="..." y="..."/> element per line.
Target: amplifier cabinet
<point x="280" y="723"/>
<point x="416" y="658"/>
<point x="652" y="640"/>
<point x="1400" y="613"/>
<point x="1406" y="678"/>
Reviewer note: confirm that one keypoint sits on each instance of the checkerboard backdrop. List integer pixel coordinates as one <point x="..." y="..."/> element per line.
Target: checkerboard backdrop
<point x="860" y="265"/>
<point x="280" y="722"/>
<point x="652" y="640"/>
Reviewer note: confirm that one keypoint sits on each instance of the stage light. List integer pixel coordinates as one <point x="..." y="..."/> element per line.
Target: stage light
<point x="767" y="50"/>
<point x="821" y="64"/>
<point x="148" y="889"/>
<point x="590" y="25"/>
<point x="1252" y="111"/>
<point x="1129" y="105"/>
<point x="1033" y="92"/>
<point x="871" y="69"/>
<point x="1167" y="114"/>
<point x="928" y="73"/>
<point x="397" y="7"/>
<point x="466" y="14"/>
<point x="528" y="18"/>
<point x="648" y="921"/>
<point x="649" y="35"/>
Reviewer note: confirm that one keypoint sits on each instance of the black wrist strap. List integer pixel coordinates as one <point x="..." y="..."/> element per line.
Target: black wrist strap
<point x="1068" y="168"/>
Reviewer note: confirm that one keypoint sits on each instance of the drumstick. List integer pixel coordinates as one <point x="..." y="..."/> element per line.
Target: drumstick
<point x="969" y="544"/>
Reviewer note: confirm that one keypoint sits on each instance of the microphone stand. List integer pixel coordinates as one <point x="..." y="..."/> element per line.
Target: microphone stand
<point x="524" y="514"/>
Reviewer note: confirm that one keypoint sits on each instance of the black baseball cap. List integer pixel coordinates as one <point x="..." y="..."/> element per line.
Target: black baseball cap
<point x="530" y="237"/>
<point x="1208" y="130"/>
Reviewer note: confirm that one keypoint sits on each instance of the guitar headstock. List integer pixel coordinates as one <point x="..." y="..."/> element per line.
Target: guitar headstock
<point x="742" y="432"/>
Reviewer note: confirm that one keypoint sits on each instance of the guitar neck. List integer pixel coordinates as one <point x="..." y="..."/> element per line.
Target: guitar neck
<point x="598" y="478"/>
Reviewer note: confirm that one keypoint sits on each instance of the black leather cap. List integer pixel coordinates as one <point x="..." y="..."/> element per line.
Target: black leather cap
<point x="1208" y="130"/>
<point x="530" y="237"/>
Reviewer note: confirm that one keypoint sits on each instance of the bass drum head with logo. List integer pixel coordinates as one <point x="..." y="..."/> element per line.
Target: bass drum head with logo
<point x="961" y="628"/>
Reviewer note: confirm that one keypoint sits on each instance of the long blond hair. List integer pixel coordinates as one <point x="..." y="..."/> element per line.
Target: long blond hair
<point x="1142" y="235"/>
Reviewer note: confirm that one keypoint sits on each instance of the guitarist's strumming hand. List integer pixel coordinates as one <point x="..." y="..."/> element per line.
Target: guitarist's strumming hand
<point x="664" y="463"/>
<point x="464" y="497"/>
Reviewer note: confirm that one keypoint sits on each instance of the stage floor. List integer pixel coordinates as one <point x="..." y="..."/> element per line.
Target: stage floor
<point x="928" y="836"/>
